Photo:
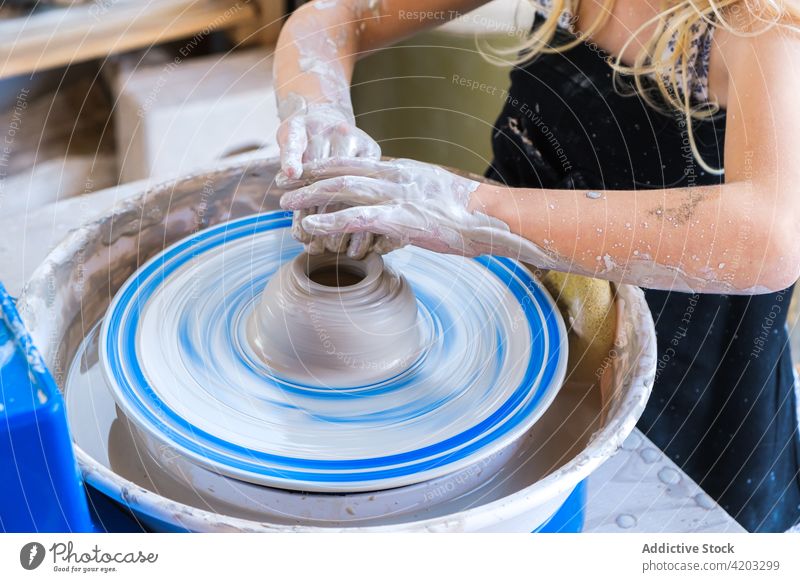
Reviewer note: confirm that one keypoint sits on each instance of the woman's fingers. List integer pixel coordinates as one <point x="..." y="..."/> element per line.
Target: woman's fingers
<point x="392" y="226"/>
<point x="374" y="219"/>
<point x="294" y="145"/>
<point x="336" y="166"/>
<point x="369" y="149"/>
<point x="353" y="144"/>
<point x="384" y="244"/>
<point x="348" y="190"/>
<point x="298" y="232"/>
<point x="345" y="145"/>
<point x="336" y="243"/>
<point x="316" y="246"/>
<point x="319" y="147"/>
<point x="360" y="244"/>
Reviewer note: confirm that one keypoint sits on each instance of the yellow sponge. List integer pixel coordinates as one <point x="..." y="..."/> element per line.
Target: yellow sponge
<point x="587" y="306"/>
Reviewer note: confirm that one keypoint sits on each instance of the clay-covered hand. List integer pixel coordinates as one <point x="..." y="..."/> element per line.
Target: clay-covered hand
<point x="404" y="202"/>
<point x="310" y="132"/>
<point x="316" y="131"/>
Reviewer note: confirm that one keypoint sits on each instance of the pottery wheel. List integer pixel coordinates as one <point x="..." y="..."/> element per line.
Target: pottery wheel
<point x="175" y="353"/>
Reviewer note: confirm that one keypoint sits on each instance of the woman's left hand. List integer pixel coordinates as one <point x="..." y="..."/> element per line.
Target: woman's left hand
<point x="403" y="202"/>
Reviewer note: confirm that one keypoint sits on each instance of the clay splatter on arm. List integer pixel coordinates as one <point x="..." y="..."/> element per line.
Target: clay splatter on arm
<point x="614" y="235"/>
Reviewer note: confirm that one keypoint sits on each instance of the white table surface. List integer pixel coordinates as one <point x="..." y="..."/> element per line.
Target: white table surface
<point x="638" y="490"/>
<point x="641" y="490"/>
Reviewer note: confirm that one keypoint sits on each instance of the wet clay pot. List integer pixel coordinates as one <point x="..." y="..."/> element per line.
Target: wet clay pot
<point x="335" y="321"/>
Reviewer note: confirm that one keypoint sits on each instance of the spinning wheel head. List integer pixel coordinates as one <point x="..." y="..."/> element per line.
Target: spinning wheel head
<point x="233" y="348"/>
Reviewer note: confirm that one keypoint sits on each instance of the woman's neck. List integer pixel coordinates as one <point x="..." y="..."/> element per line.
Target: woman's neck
<point x="627" y="18"/>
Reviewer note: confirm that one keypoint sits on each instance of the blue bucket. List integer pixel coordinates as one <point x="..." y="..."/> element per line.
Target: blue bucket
<point x="40" y="485"/>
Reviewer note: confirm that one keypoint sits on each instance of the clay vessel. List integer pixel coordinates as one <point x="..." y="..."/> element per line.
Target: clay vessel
<point x="329" y="320"/>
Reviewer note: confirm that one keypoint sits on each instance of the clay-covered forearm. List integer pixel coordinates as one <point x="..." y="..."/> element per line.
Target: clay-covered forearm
<point x="321" y="41"/>
<point x="736" y="238"/>
<point x="314" y="61"/>
<point x="313" y="58"/>
<point x="712" y="239"/>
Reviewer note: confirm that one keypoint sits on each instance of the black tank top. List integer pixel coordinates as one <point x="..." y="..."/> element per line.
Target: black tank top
<point x="723" y="406"/>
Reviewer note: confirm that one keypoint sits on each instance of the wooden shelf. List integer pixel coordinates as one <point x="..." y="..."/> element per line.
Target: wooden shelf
<point x="60" y="36"/>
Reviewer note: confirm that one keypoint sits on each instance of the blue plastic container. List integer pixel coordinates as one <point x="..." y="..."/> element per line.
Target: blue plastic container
<point x="570" y="516"/>
<point x="40" y="485"/>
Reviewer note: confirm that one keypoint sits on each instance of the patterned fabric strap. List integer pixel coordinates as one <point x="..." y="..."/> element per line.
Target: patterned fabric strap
<point x="699" y="52"/>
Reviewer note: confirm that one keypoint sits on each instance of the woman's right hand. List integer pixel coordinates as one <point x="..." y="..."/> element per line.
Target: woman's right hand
<point x="318" y="131"/>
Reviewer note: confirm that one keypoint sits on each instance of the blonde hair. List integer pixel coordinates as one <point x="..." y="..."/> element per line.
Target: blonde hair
<point x="677" y="20"/>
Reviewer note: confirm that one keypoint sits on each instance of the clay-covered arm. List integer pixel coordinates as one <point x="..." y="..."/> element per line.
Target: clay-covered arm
<point x="317" y="50"/>
<point x="711" y="239"/>
<point x="314" y="60"/>
<point x="738" y="238"/>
